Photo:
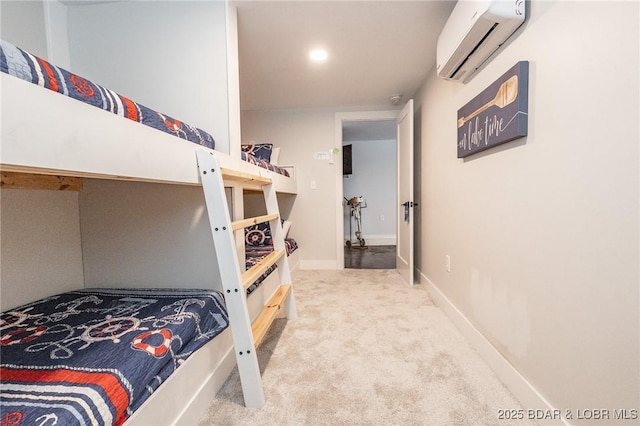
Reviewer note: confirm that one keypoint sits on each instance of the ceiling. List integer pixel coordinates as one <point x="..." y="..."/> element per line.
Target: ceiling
<point x="376" y="49"/>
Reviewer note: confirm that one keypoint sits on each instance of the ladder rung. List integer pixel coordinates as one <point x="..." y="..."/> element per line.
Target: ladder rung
<point x="252" y="221"/>
<point x="261" y="325"/>
<point x="236" y="176"/>
<point x="259" y="268"/>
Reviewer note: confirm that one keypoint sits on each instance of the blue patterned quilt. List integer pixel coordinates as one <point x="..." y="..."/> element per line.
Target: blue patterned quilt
<point x="21" y="64"/>
<point x="263" y="163"/>
<point x="94" y="356"/>
<point x="254" y="253"/>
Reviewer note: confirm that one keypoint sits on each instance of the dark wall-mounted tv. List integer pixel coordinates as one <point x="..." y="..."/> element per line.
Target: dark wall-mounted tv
<point x="346" y="160"/>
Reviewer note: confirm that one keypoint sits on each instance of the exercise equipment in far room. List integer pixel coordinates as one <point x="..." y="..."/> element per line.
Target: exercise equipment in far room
<point x="355" y="205"/>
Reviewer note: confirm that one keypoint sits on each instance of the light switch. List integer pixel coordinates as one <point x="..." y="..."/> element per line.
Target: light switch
<point x="322" y="155"/>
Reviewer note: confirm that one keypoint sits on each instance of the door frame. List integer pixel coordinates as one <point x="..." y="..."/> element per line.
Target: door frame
<point x="340" y="117"/>
<point x="404" y="181"/>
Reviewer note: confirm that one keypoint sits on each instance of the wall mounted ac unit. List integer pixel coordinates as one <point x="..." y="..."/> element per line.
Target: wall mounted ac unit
<point x="475" y="29"/>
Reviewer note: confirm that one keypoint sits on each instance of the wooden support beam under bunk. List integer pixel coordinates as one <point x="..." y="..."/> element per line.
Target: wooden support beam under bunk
<point x="16" y="180"/>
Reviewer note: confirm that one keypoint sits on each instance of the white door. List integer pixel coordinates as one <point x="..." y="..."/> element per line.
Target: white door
<point x="404" y="253"/>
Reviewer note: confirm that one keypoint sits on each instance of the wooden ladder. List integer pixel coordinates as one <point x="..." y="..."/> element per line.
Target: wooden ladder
<point x="246" y="336"/>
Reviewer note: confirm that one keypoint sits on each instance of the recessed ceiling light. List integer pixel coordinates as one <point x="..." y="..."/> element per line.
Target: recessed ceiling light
<point x="318" y="55"/>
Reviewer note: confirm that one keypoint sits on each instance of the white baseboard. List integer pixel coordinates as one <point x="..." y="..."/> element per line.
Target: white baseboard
<point x="318" y="264"/>
<point x="519" y="386"/>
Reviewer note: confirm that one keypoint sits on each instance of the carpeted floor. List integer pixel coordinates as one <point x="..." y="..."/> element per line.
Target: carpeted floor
<point x="366" y="349"/>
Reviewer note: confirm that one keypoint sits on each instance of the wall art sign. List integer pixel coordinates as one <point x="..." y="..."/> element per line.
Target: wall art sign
<point x="497" y="115"/>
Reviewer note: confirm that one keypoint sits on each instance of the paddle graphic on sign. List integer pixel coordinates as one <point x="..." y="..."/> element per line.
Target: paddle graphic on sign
<point x="497" y="115"/>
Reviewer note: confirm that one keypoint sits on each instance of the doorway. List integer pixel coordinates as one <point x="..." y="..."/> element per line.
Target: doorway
<point x="368" y="190"/>
<point x="370" y="257"/>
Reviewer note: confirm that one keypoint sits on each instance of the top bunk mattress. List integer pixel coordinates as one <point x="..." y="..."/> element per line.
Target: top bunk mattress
<point x="18" y="63"/>
<point x="45" y="133"/>
<point x="251" y="159"/>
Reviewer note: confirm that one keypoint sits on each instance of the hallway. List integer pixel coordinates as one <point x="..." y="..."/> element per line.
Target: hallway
<point x="370" y="257"/>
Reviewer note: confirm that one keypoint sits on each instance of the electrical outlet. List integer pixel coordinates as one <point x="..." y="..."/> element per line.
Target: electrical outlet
<point x="447" y="263"/>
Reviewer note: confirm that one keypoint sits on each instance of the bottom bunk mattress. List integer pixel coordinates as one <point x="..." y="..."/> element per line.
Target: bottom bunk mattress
<point x="93" y="356"/>
<point x="254" y="253"/>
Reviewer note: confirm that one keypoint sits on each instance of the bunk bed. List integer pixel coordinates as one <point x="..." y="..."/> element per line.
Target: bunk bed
<point x="97" y="355"/>
<point x="45" y="134"/>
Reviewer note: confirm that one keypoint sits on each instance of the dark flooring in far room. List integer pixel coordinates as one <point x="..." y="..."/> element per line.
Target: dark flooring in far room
<point x="370" y="257"/>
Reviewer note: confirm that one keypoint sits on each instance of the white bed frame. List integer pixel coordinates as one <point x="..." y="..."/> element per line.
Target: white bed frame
<point x="46" y="133"/>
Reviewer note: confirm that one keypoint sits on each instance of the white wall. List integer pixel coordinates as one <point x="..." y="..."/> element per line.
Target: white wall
<point x="39" y="245"/>
<point x="374" y="178"/>
<point x="56" y="27"/>
<point x="543" y="232"/>
<point x="23" y="23"/>
<point x="300" y="134"/>
<point x="146" y="235"/>
<point x="167" y="55"/>
<point x="112" y="234"/>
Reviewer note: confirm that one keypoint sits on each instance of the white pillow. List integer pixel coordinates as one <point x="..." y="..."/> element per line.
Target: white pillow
<point x="275" y="154"/>
<point x="286" y="225"/>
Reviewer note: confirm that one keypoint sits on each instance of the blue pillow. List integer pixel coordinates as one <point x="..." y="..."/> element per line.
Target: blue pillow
<point x="259" y="150"/>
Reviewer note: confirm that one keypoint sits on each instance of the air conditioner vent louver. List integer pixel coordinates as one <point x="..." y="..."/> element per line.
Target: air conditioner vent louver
<point x="473" y="32"/>
<point x="480" y="43"/>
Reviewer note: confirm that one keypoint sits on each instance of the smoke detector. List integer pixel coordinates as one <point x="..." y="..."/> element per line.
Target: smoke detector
<point x="395" y="99"/>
